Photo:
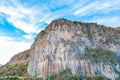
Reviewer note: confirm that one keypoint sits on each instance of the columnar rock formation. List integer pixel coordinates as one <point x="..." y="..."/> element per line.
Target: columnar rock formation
<point x="64" y="44"/>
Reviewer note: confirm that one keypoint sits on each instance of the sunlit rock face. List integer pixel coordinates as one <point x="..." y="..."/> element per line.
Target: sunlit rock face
<point x="63" y="45"/>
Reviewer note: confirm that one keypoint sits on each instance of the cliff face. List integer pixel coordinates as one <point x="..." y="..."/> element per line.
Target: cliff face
<point x="85" y="48"/>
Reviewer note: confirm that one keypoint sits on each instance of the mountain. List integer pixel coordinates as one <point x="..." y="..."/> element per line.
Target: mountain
<point x="82" y="48"/>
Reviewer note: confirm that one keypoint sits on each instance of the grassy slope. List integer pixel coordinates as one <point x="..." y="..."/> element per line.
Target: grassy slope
<point x="14" y="70"/>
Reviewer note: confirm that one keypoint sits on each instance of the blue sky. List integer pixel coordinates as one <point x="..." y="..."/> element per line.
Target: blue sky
<point x="22" y="20"/>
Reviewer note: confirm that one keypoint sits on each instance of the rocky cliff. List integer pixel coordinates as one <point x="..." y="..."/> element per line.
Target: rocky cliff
<point x="85" y="48"/>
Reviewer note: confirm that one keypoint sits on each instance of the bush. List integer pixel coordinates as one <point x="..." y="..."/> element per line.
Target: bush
<point x="14" y="70"/>
<point x="100" y="55"/>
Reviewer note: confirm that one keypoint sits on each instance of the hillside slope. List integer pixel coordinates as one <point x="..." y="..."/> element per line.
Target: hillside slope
<point x="17" y="66"/>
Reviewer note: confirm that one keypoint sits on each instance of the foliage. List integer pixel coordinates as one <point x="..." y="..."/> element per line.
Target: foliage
<point x="19" y="78"/>
<point x="101" y="55"/>
<point x="77" y="77"/>
<point x="63" y="75"/>
<point x="81" y="23"/>
<point x="14" y="70"/>
<point x="43" y="33"/>
<point x="10" y="78"/>
<point x="84" y="77"/>
<point x="67" y="75"/>
<point x="90" y="37"/>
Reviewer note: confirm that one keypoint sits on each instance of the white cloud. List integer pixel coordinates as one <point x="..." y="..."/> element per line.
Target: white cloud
<point x="26" y="18"/>
<point x="108" y="21"/>
<point x="24" y="26"/>
<point x="98" y="6"/>
<point x="9" y="47"/>
<point x="85" y="9"/>
<point x="21" y="17"/>
<point x="28" y="36"/>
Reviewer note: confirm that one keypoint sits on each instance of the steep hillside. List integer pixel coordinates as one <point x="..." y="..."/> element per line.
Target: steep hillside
<point x="20" y="58"/>
<point x="85" y="49"/>
<point x="17" y="66"/>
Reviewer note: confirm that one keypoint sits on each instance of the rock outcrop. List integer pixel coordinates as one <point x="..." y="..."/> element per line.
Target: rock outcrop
<point x="85" y="48"/>
<point x="22" y="57"/>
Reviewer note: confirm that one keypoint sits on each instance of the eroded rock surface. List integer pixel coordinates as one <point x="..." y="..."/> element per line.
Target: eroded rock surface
<point x="62" y="44"/>
<point x="20" y="58"/>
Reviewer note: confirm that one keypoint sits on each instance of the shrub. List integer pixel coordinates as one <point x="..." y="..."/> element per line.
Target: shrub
<point x="14" y="70"/>
<point x="100" y="55"/>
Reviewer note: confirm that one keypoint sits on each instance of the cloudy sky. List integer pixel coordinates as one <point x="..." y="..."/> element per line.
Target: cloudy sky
<point x="21" y="20"/>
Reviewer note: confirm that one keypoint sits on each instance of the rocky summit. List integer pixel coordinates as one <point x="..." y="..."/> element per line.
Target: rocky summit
<point x="84" y="48"/>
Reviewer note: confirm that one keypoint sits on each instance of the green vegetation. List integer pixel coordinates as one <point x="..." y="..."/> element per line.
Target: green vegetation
<point x="20" y="78"/>
<point x="101" y="55"/>
<point x="77" y="77"/>
<point x="90" y="37"/>
<point x="64" y="75"/>
<point x="67" y="75"/>
<point x="14" y="70"/>
<point x="9" y="78"/>
<point x="81" y="23"/>
<point x="61" y="77"/>
<point x="42" y="33"/>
